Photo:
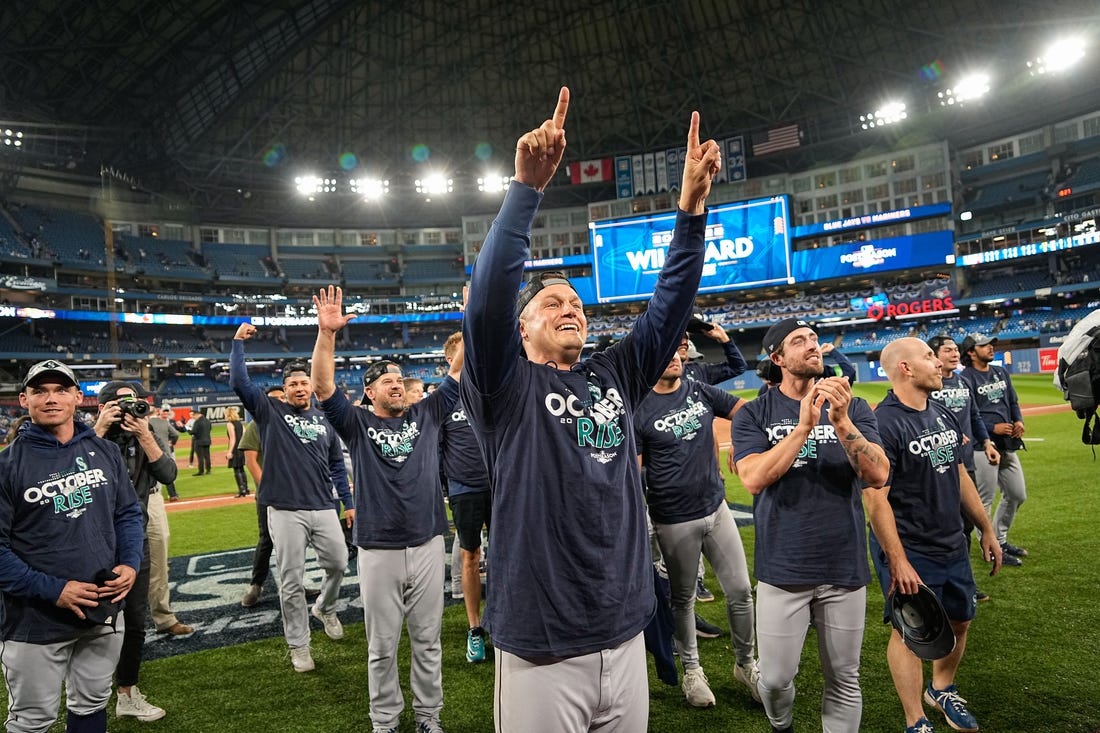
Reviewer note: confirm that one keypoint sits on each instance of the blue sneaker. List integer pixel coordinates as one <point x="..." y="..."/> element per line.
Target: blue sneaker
<point x="475" y="645"/>
<point x="952" y="706"/>
<point x="705" y="629"/>
<point x="921" y="726"/>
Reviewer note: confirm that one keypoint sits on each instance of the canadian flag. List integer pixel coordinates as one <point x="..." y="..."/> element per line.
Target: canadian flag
<point x="592" y="171"/>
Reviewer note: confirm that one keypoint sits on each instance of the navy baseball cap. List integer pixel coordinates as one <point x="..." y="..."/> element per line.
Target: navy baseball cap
<point x="773" y="339"/>
<point x="537" y="283"/>
<point x="51" y="368"/>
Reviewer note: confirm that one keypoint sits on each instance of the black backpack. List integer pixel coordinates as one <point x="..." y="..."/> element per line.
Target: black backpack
<point x="1079" y="376"/>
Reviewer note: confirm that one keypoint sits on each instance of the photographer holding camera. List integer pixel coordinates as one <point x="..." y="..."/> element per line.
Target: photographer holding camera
<point x="124" y="420"/>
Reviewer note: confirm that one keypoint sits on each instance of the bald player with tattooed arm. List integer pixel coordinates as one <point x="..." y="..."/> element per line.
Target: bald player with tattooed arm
<point x="569" y="564"/>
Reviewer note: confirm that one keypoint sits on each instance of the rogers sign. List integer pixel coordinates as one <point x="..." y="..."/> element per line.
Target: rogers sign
<point x="910" y="307"/>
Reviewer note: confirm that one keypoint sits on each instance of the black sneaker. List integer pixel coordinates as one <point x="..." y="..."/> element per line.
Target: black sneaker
<point x="981" y="596"/>
<point x="702" y="593"/>
<point x="1010" y="561"/>
<point x="1011" y="549"/>
<point x="705" y="629"/>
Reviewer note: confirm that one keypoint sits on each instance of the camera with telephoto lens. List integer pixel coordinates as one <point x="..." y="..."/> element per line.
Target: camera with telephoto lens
<point x="130" y="405"/>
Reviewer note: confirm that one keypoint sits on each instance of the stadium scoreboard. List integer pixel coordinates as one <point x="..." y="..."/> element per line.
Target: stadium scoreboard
<point x="747" y="246"/>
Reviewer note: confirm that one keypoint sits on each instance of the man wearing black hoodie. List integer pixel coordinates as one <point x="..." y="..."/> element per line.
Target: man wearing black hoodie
<point x="70" y="548"/>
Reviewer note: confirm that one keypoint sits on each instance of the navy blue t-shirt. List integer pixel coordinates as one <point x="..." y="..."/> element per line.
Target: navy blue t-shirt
<point x="810" y="527"/>
<point x="675" y="435"/>
<point x="303" y="463"/>
<point x="462" y="461"/>
<point x="569" y="563"/>
<point x="957" y="397"/>
<point x="994" y="395"/>
<point x="923" y="448"/>
<point x="396" y="463"/>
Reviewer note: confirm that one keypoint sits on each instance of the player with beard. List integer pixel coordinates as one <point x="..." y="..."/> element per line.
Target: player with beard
<point x="917" y="530"/>
<point x="687" y="503"/>
<point x="1000" y="410"/>
<point x="395" y="457"/>
<point x="805" y="450"/>
<point x="570" y="581"/>
<point x="303" y="474"/>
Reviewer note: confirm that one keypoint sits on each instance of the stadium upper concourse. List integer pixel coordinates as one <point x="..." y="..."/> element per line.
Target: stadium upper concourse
<point x="164" y="174"/>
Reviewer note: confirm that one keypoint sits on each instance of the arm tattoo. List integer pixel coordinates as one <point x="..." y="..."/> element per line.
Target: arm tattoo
<point x="856" y="446"/>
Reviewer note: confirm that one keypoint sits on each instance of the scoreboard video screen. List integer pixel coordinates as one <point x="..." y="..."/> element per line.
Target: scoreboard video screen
<point x="747" y="246"/>
<point x="928" y="249"/>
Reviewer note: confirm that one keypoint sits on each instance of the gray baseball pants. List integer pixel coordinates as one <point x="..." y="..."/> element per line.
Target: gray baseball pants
<point x="34" y="674"/>
<point x="606" y="691"/>
<point x="291" y="532"/>
<point x="403" y="586"/>
<point x="1009" y="475"/>
<point x="715" y="536"/>
<point x="783" y="615"/>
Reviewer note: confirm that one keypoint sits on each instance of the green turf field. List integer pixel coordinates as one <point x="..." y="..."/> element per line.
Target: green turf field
<point x="1028" y="669"/>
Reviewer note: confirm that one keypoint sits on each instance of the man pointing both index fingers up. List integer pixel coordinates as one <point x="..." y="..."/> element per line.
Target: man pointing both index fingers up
<point x="569" y="562"/>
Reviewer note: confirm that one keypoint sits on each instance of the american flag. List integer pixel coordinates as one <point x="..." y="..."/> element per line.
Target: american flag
<point x="776" y="139"/>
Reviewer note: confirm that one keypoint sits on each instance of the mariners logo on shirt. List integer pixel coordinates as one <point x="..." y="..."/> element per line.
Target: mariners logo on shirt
<point x="684" y="422"/>
<point x="69" y="492"/>
<point x="395" y="445"/>
<point x="820" y="434"/>
<point x="953" y="398"/>
<point x="939" y="445"/>
<point x="595" y="425"/>
<point x="458" y="416"/>
<point x="307" y="428"/>
<point x="994" y="392"/>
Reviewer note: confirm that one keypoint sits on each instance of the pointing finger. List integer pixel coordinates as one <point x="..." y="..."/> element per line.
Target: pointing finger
<point x="562" y="108"/>
<point x="693" y="132"/>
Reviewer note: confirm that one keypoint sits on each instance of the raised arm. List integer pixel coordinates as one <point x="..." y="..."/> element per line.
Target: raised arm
<point x="658" y="331"/>
<point x="329" y="303"/>
<point x="734" y="365"/>
<point x="241" y="383"/>
<point x="489" y="328"/>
